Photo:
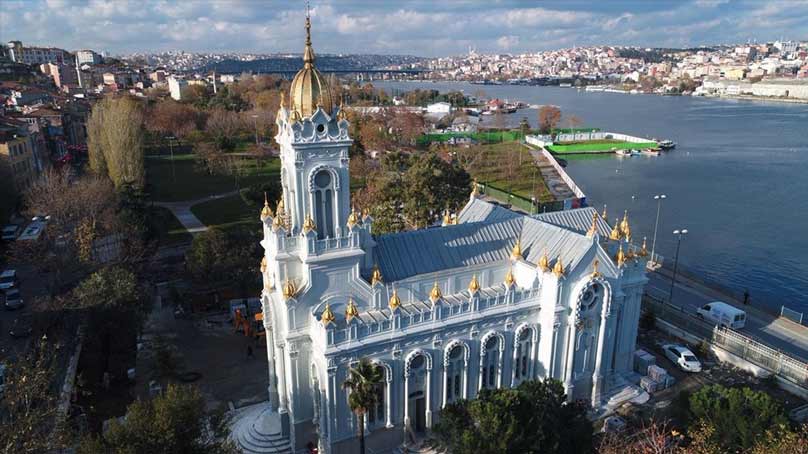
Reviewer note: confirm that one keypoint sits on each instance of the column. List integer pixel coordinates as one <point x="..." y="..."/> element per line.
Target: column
<point x="283" y="397"/>
<point x="568" y="360"/>
<point x="272" y="388"/>
<point x="429" y="394"/>
<point x="597" y="376"/>
<point x="500" y="361"/>
<point x="406" y="399"/>
<point x="466" y="376"/>
<point x="388" y="397"/>
<point x="445" y="379"/>
<point x="331" y="408"/>
<point x="534" y="348"/>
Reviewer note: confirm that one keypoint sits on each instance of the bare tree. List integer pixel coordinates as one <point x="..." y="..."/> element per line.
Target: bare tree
<point x="549" y="117"/>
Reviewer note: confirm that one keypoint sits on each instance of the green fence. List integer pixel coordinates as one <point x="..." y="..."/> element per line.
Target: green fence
<point x="518" y="201"/>
<point x="594" y="147"/>
<point x="485" y="136"/>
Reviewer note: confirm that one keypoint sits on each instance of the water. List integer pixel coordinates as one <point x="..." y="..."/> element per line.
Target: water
<point x="737" y="180"/>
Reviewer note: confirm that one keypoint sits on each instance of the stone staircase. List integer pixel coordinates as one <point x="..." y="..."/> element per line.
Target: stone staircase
<point x="257" y="430"/>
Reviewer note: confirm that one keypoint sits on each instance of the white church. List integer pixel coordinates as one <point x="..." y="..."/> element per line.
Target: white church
<point x="488" y="300"/>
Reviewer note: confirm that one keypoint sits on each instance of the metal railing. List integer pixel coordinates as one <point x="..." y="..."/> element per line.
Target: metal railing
<point x="791" y="314"/>
<point x="776" y="361"/>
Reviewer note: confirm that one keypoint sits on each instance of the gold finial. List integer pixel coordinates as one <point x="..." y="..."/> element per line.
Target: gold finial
<point x="644" y="250"/>
<point x="558" y="269"/>
<point x="435" y="293"/>
<point x="615" y="233"/>
<point x="282" y="104"/>
<point x="516" y="253"/>
<point x="509" y="280"/>
<point x="625" y="229"/>
<point x="309" y="225"/>
<point x="266" y="211"/>
<point x="289" y="289"/>
<point x="353" y="218"/>
<point x="395" y="301"/>
<point x="263" y="264"/>
<point x="595" y="272"/>
<point x="594" y="228"/>
<point x="341" y="114"/>
<point x="365" y="213"/>
<point x="454" y="218"/>
<point x="308" y="52"/>
<point x="327" y="317"/>
<point x="351" y="310"/>
<point x="475" y="190"/>
<point x="620" y="258"/>
<point x="447" y="219"/>
<point x="474" y="285"/>
<point x="603" y="215"/>
<point x="376" y="275"/>
<point x="544" y="262"/>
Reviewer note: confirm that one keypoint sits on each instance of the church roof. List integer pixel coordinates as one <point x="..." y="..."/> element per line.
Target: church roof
<point x="486" y="234"/>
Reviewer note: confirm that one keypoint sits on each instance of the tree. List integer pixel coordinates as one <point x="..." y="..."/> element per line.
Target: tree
<point x="223" y="126"/>
<point x="29" y="403"/>
<point x="549" y="117"/>
<point x="362" y="383"/>
<point x="532" y="418"/>
<point x="740" y="415"/>
<point x="115" y="140"/>
<point x="432" y="186"/>
<point x="169" y="117"/>
<point x="216" y="256"/>
<point x="173" y="422"/>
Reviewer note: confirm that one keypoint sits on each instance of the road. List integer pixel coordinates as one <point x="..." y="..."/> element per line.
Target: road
<point x="773" y="331"/>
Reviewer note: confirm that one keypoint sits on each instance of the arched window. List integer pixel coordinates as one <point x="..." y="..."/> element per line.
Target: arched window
<point x="454" y="374"/>
<point x="490" y="363"/>
<point x="324" y="204"/>
<point x="376" y="412"/>
<point x="521" y="366"/>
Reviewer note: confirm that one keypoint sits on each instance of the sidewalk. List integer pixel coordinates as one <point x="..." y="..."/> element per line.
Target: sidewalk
<point x="182" y="210"/>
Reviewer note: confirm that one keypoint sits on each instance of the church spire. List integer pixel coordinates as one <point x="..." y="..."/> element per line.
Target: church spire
<point x="308" y="52"/>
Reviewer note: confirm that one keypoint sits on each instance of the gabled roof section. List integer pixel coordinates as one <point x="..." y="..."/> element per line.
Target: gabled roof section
<point x="578" y="220"/>
<point x="486" y="234"/>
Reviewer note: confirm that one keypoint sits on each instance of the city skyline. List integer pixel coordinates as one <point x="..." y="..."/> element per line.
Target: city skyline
<point x="414" y="27"/>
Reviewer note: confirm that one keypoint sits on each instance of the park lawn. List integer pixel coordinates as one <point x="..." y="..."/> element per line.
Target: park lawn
<point x="167" y="228"/>
<point x="189" y="182"/>
<point x="492" y="169"/>
<point x="598" y="146"/>
<point x="227" y="213"/>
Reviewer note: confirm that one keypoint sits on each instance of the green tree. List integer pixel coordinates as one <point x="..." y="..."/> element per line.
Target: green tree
<point x="432" y="186"/>
<point x="174" y="422"/>
<point x="740" y="415"/>
<point x="362" y="384"/>
<point x="115" y="140"/>
<point x="217" y="256"/>
<point x="532" y="418"/>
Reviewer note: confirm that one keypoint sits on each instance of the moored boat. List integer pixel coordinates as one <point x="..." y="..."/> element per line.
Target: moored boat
<point x="667" y="144"/>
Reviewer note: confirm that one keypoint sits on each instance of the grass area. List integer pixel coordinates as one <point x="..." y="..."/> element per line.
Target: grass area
<point x="167" y="227"/>
<point x="227" y="213"/>
<point x="598" y="146"/>
<point x="183" y="179"/>
<point x="493" y="168"/>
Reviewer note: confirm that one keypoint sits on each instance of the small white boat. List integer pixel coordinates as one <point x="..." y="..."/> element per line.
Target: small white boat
<point x="623" y="152"/>
<point x="651" y="151"/>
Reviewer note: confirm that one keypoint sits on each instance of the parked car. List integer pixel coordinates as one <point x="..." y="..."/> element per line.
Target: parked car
<point x="10" y="232"/>
<point x="8" y="279"/>
<point x="21" y="327"/>
<point x="682" y="357"/>
<point x="13" y="299"/>
<point x="722" y="314"/>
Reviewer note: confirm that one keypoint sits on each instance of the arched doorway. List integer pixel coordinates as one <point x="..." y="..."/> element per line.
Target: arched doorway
<point x="417" y="390"/>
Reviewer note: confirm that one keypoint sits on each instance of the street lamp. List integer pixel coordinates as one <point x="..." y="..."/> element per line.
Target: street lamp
<point x="679" y="234"/>
<point x="659" y="198"/>
<point x="255" y="122"/>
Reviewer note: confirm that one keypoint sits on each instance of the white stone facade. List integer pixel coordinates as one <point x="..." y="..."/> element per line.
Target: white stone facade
<point x="526" y="318"/>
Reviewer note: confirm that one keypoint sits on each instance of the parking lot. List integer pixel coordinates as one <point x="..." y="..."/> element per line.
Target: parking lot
<point x="31" y="287"/>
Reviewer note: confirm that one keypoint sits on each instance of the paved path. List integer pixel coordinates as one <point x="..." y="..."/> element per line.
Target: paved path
<point x="768" y="329"/>
<point x="182" y="210"/>
<point x="557" y="186"/>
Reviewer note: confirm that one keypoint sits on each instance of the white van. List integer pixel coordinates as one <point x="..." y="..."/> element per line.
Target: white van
<point x="722" y="314"/>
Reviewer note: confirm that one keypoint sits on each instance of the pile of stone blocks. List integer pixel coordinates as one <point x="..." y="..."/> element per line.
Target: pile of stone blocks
<point x="654" y="378"/>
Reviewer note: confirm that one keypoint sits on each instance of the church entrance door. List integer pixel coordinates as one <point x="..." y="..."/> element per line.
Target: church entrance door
<point x="420" y="414"/>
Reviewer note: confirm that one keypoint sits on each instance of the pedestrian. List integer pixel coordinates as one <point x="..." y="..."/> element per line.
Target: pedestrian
<point x="249" y="351"/>
<point x="746" y="297"/>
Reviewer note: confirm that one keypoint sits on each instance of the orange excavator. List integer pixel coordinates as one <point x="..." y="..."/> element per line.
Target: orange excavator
<point x="243" y="324"/>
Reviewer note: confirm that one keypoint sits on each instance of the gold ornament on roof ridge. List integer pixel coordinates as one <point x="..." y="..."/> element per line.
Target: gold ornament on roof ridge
<point x="263" y="264"/>
<point x="544" y="262"/>
<point x="395" y="301"/>
<point x="593" y="229"/>
<point x="475" y="190"/>
<point x="376" y="275"/>
<point x="625" y="229"/>
<point x="308" y="224"/>
<point x="327" y="317"/>
<point x="474" y="285"/>
<point x="289" y="289"/>
<point x="603" y="215"/>
<point x="353" y="218"/>
<point x="351" y="310"/>
<point x="644" y="250"/>
<point x="615" y="233"/>
<point x="266" y="211"/>
<point x="595" y="272"/>
<point x="558" y="269"/>
<point x="509" y="280"/>
<point x="447" y="219"/>
<point x="516" y="253"/>
<point x="620" y="258"/>
<point x="435" y="294"/>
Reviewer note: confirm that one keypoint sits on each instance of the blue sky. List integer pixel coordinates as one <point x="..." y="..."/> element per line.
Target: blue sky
<point x="427" y="28"/>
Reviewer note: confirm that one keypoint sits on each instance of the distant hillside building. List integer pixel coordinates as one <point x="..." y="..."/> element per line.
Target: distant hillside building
<point x="177" y="87"/>
<point x="88" y="57"/>
<point x="36" y="55"/>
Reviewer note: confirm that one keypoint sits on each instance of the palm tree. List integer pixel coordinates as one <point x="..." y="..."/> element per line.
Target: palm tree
<point x="362" y="382"/>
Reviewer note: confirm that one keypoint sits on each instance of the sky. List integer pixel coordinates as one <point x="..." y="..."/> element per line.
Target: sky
<point x="423" y="28"/>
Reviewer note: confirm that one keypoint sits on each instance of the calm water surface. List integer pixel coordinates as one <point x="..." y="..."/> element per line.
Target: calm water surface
<point x="737" y="180"/>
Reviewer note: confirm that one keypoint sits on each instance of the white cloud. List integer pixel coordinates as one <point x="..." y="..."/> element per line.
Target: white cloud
<point x="507" y="42"/>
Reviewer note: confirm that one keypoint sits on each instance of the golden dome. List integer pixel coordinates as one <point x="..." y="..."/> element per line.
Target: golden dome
<point x="474" y="285"/>
<point x="309" y="225"/>
<point x="263" y="263"/>
<point x="309" y="88"/>
<point x="266" y="211"/>
<point x="376" y="275"/>
<point x="289" y="289"/>
<point x="615" y="233"/>
<point x="558" y="269"/>
<point x="544" y="262"/>
<point x="328" y="316"/>
<point x="593" y="229"/>
<point x="644" y="251"/>
<point x="395" y="301"/>
<point x="620" y="258"/>
<point x="435" y="293"/>
<point x="351" y="310"/>
<point x="509" y="280"/>
<point x="516" y="253"/>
